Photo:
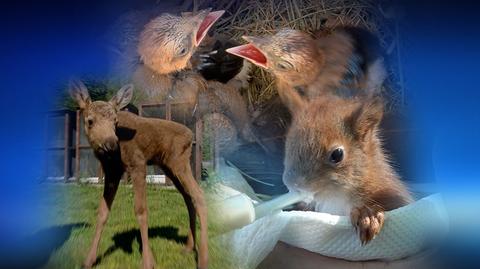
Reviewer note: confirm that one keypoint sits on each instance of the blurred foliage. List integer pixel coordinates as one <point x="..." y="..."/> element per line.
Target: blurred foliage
<point x="99" y="90"/>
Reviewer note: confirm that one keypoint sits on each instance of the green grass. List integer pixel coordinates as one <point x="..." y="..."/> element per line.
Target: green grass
<point x="71" y="213"/>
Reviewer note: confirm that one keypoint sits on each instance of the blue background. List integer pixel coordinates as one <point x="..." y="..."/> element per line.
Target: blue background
<point x="45" y="43"/>
<point x="440" y="60"/>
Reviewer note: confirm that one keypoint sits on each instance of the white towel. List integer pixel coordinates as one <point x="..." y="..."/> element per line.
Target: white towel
<point x="407" y="231"/>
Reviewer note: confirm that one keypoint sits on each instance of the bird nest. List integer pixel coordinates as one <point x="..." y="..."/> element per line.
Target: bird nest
<point x="250" y="17"/>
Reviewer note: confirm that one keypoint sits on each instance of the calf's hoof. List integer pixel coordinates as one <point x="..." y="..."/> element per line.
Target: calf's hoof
<point x="148" y="261"/>
<point x="187" y="250"/>
<point x="88" y="263"/>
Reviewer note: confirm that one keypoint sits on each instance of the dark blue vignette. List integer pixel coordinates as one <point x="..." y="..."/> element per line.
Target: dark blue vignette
<point x="45" y="43"/>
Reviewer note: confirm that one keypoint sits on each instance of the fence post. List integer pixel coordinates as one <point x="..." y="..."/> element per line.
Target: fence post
<point x="168" y="116"/>
<point x="198" y="149"/>
<point x="66" y="147"/>
<point x="77" y="147"/>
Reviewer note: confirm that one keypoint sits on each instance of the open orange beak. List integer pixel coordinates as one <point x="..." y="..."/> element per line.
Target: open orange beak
<point x="250" y="52"/>
<point x="206" y="24"/>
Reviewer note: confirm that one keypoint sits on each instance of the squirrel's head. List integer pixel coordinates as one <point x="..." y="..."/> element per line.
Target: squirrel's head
<point x="167" y="42"/>
<point x="330" y="140"/>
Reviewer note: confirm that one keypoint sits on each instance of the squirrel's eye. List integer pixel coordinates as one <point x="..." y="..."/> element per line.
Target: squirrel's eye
<point x="336" y="156"/>
<point x="284" y="65"/>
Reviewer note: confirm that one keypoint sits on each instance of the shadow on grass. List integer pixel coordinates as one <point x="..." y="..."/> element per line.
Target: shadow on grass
<point x="124" y="240"/>
<point x="35" y="250"/>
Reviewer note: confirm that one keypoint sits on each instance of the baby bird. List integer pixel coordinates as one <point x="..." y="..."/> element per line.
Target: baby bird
<point x="166" y="46"/>
<point x="340" y="63"/>
<point x="168" y="42"/>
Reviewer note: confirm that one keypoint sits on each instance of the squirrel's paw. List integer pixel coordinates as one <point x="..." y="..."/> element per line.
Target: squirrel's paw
<point x="367" y="221"/>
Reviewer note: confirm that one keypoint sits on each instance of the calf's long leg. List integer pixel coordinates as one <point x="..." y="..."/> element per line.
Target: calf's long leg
<point x="138" y="174"/>
<point x="112" y="179"/>
<point x="191" y="214"/>
<point x="183" y="174"/>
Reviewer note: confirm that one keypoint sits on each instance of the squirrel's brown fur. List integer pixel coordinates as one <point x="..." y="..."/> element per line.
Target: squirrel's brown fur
<point x="363" y="183"/>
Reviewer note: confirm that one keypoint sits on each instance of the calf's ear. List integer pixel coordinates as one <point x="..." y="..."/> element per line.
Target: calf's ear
<point x="123" y="97"/>
<point x="78" y="91"/>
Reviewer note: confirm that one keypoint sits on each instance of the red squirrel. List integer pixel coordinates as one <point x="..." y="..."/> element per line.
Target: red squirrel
<point x="334" y="153"/>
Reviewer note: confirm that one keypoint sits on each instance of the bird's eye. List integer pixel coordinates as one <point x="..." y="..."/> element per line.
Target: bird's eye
<point x="336" y="155"/>
<point x="284" y="65"/>
<point x="182" y="51"/>
<point x="184" y="46"/>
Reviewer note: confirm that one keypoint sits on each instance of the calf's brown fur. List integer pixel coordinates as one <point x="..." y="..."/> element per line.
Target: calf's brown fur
<point x="124" y="142"/>
<point x="334" y="153"/>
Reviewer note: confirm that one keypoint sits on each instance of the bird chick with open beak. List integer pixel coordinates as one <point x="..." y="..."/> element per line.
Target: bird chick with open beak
<point x="168" y="42"/>
<point x="166" y="46"/>
<point x="336" y="63"/>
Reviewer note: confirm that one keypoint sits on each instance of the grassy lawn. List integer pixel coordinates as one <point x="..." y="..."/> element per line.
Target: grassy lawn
<point x="71" y="214"/>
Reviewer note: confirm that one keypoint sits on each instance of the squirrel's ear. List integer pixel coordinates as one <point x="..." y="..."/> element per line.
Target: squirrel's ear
<point x="78" y="91"/>
<point x="290" y="97"/>
<point x="123" y="97"/>
<point x="367" y="117"/>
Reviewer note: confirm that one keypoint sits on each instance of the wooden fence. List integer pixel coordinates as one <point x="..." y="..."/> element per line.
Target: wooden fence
<point x="67" y="148"/>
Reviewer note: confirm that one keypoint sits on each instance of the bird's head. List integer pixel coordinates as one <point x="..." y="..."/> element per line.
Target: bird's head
<point x="291" y="55"/>
<point x="167" y="42"/>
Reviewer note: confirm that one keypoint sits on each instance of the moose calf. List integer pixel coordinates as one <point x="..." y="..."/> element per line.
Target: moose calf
<point x="124" y="142"/>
